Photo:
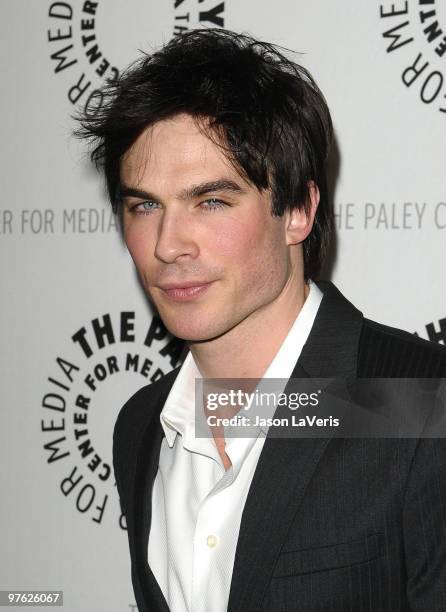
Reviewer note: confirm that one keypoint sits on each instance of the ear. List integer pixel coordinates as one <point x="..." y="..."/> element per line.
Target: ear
<point x="299" y="222"/>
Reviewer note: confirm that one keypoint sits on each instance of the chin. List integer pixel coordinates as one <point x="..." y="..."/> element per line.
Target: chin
<point x="196" y="330"/>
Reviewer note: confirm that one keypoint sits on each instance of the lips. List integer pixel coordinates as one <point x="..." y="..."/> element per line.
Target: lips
<point x="184" y="284"/>
<point x="185" y="291"/>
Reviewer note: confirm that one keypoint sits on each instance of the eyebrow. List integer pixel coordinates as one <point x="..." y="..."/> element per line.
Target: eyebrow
<point x="194" y="191"/>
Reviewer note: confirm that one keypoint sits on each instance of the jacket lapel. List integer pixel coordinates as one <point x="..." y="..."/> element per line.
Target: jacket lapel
<point x="147" y="589"/>
<point x="286" y="465"/>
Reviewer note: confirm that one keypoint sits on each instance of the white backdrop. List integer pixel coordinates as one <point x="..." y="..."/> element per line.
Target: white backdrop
<point x="65" y="271"/>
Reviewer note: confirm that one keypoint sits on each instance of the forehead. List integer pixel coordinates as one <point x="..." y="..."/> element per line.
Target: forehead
<point x="178" y="151"/>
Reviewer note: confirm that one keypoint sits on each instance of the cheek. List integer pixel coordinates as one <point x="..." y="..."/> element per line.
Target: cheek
<point x="228" y="239"/>
<point x="254" y="249"/>
<point x="140" y="242"/>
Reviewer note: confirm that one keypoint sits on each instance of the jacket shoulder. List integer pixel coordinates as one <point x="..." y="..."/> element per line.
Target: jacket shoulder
<point x="139" y="408"/>
<point x="390" y="352"/>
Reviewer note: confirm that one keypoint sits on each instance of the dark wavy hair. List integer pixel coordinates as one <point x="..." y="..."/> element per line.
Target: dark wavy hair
<point x="265" y="111"/>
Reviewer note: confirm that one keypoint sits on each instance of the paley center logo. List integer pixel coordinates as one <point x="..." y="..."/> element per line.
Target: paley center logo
<point x="105" y="362"/>
<point x="415" y="32"/>
<point x="91" y="42"/>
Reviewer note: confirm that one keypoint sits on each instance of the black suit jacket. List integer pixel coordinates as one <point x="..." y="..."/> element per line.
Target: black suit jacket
<point x="329" y="524"/>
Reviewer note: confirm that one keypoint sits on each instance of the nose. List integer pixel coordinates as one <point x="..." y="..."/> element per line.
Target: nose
<point x="175" y="238"/>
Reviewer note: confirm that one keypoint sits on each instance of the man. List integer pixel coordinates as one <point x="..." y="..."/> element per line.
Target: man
<point x="214" y="151"/>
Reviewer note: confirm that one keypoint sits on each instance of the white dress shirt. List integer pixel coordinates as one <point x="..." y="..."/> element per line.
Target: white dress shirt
<point x="196" y="504"/>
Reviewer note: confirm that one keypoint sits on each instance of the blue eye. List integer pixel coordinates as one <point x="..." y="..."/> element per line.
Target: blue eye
<point x="213" y="204"/>
<point x="145" y="208"/>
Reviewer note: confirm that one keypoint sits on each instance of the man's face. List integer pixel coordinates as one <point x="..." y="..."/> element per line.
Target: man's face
<point x="207" y="249"/>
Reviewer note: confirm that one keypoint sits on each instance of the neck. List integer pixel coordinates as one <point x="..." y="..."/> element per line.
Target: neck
<point x="247" y="350"/>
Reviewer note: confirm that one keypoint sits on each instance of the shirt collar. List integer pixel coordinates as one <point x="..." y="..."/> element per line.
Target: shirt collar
<point x="178" y="413"/>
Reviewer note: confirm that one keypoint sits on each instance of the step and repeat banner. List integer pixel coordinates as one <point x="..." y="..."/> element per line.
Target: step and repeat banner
<point x="78" y="336"/>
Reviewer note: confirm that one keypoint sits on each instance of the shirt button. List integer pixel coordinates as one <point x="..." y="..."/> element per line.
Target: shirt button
<point x="211" y="541"/>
